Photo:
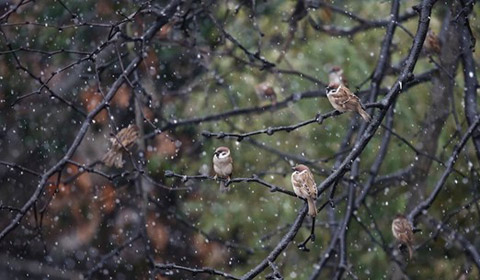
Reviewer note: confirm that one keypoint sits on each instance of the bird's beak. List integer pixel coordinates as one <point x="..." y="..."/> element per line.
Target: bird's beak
<point x="293" y="168"/>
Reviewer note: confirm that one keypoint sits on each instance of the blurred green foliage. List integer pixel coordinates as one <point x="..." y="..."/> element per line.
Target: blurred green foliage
<point x="250" y="211"/>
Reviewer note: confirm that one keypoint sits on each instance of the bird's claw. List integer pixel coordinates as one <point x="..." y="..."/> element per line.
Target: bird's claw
<point x="304" y="248"/>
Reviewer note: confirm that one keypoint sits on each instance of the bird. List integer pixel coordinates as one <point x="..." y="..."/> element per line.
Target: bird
<point x="403" y="232"/>
<point x="343" y="100"/>
<point x="222" y="165"/>
<point x="124" y="139"/>
<point x="335" y="75"/>
<point x="305" y="187"/>
<point x="432" y="43"/>
<point x="265" y="91"/>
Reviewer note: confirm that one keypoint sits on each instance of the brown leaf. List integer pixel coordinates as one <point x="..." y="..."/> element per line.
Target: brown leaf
<point x="122" y="97"/>
<point x="211" y="253"/>
<point x="150" y="63"/>
<point x="148" y="114"/>
<point x="107" y="198"/>
<point x="158" y="233"/>
<point x="83" y="181"/>
<point x="104" y="7"/>
<point x="165" y="31"/>
<point x="91" y="98"/>
<point x="164" y="146"/>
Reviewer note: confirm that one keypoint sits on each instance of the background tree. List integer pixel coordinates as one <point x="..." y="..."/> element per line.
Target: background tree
<point x="73" y="74"/>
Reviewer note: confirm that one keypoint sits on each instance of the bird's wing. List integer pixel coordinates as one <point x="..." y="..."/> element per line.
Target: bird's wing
<point x="308" y="184"/>
<point x="230" y="161"/>
<point x="128" y="136"/>
<point x="340" y="97"/>
<point x="354" y="103"/>
<point x="345" y="99"/>
<point x="405" y="231"/>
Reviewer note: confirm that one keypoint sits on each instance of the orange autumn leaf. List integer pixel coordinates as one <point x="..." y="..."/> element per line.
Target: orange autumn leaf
<point x="91" y="99"/>
<point x="150" y="63"/>
<point x="60" y="191"/>
<point x="211" y="253"/>
<point x="159" y="276"/>
<point x="121" y="99"/>
<point x="52" y="184"/>
<point x="165" y="145"/>
<point x="326" y="13"/>
<point x="148" y="113"/>
<point x="107" y="198"/>
<point x="51" y="188"/>
<point x="158" y="233"/>
<point x="200" y="245"/>
<point x="104" y="7"/>
<point x="83" y="181"/>
<point x="217" y="255"/>
<point x="165" y="31"/>
<point x="60" y="196"/>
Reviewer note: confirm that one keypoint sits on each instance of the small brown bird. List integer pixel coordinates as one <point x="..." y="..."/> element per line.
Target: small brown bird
<point x="305" y="187"/>
<point x="343" y="100"/>
<point x="402" y="231"/>
<point x="222" y="165"/>
<point x="124" y="139"/>
<point x="432" y="43"/>
<point x="335" y="75"/>
<point x="265" y="91"/>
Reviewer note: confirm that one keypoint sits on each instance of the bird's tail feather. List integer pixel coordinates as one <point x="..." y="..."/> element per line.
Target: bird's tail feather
<point x="410" y="250"/>
<point x="112" y="158"/>
<point x="223" y="187"/>
<point x="312" y="209"/>
<point x="364" y="115"/>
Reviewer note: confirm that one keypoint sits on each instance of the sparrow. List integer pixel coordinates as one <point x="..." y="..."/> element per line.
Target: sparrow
<point x="124" y="139"/>
<point x="432" y="43"/>
<point x="335" y="75"/>
<point x="343" y="100"/>
<point x="265" y="91"/>
<point x="305" y="187"/>
<point x="222" y="165"/>
<point x="403" y="232"/>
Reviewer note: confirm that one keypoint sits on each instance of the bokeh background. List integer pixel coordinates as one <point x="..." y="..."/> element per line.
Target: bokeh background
<point x="58" y="59"/>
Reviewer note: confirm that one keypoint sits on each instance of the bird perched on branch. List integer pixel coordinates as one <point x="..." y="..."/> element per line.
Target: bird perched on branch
<point x="403" y="232"/>
<point x="265" y="91"/>
<point x="124" y="139"/>
<point x="335" y="75"/>
<point x="343" y="100"/>
<point x="222" y="165"/>
<point x="305" y="187"/>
